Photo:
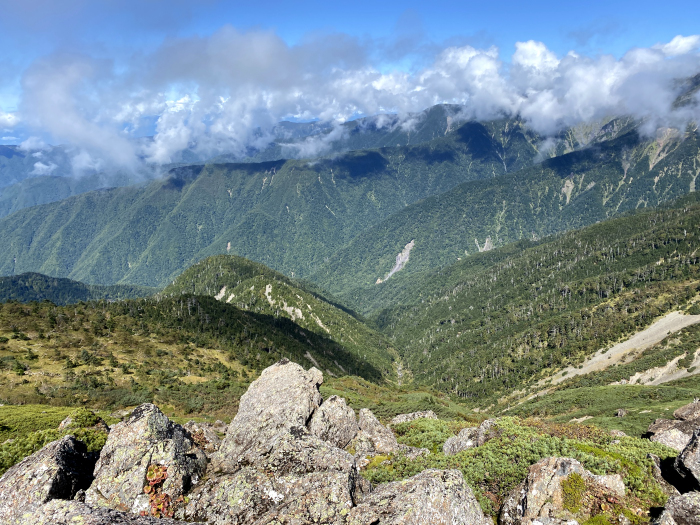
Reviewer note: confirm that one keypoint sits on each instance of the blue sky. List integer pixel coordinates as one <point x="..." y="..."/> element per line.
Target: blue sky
<point x="121" y="69"/>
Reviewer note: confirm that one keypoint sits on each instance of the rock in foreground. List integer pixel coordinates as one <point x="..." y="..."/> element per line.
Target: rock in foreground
<point x="57" y="471"/>
<point x="437" y="497"/>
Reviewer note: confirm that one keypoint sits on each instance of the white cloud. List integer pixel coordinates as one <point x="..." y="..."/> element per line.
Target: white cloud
<point x="680" y="45"/>
<point x="226" y="92"/>
<point x="33" y="144"/>
<point x="43" y="169"/>
<point x="8" y="120"/>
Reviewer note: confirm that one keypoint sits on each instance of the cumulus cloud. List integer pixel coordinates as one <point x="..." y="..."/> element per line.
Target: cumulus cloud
<point x="8" y="120"/>
<point x="43" y="169"/>
<point x="34" y="144"/>
<point x="225" y="93"/>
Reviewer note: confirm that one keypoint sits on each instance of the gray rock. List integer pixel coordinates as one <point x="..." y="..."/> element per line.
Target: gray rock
<point x="657" y="472"/>
<point x="383" y="439"/>
<point x="469" y="437"/>
<point x="617" y="433"/>
<point x="465" y="440"/>
<point x="436" y="497"/>
<point x="540" y="495"/>
<point x="334" y="421"/>
<point x="204" y="436"/>
<point x="672" y="433"/>
<point x="284" y="396"/>
<point x="146" y="438"/>
<point x="294" y="477"/>
<point x="681" y="510"/>
<point x="405" y="418"/>
<point x="58" y="512"/>
<point x="621" y="412"/>
<point x="688" y="412"/>
<point x="57" y="471"/>
<point x="687" y="463"/>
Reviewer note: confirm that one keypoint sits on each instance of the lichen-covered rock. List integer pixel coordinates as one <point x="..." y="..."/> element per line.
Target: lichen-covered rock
<point x="437" y="497"/>
<point x="469" y="437"/>
<point x="284" y="396"/>
<point x="688" y="412"/>
<point x="57" y="471"/>
<point x="59" y="512"/>
<point x="405" y="418"/>
<point x="383" y="439"/>
<point x="672" y="433"/>
<point x="687" y="463"/>
<point x="204" y="436"/>
<point x="681" y="510"/>
<point x="334" y="421"/>
<point x="293" y="477"/>
<point x="541" y="496"/>
<point x="147" y="437"/>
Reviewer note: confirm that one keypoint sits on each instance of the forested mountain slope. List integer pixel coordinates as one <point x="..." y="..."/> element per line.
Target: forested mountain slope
<point x="254" y="287"/>
<point x="29" y="287"/>
<point x="289" y="215"/>
<point x="561" y="193"/>
<point x="501" y="321"/>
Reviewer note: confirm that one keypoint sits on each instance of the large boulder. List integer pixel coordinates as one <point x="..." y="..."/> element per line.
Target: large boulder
<point x="382" y="439"/>
<point x="147" y="438"/>
<point x="284" y="396"/>
<point x="405" y="418"/>
<point x="688" y="412"/>
<point x="57" y="471"/>
<point x="294" y="477"/>
<point x="334" y="421"/>
<point x="541" y="496"/>
<point x="672" y="433"/>
<point x="681" y="510"/>
<point x="469" y="437"/>
<point x="58" y="512"/>
<point x="438" y="497"/>
<point x="688" y="463"/>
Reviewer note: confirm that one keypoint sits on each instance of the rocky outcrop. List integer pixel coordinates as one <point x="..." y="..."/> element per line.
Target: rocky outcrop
<point x="657" y="470"/>
<point x="469" y="437"/>
<point x="284" y="396"/>
<point x="146" y="438"/>
<point x="688" y="412"/>
<point x="541" y="497"/>
<point x="204" y="436"/>
<point x="334" y="422"/>
<point x="405" y="418"/>
<point x="438" y="497"/>
<point x="57" y="471"/>
<point x="58" y="512"/>
<point x="676" y="433"/>
<point x="382" y="439"/>
<point x="688" y="463"/>
<point x="681" y="510"/>
<point x="295" y="474"/>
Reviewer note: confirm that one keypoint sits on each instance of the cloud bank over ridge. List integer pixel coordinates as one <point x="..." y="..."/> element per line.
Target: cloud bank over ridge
<point x="224" y="93"/>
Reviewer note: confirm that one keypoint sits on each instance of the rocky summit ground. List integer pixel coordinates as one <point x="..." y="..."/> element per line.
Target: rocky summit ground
<point x="291" y="457"/>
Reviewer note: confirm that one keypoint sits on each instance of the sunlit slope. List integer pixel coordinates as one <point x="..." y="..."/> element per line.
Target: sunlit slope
<point x="290" y="215"/>
<point x="562" y="193"/>
<point x="253" y="287"/>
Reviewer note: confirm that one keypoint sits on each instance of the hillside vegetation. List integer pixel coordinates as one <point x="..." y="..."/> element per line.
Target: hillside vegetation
<point x="29" y="287"/>
<point x="500" y="321"/>
<point x="289" y="215"/>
